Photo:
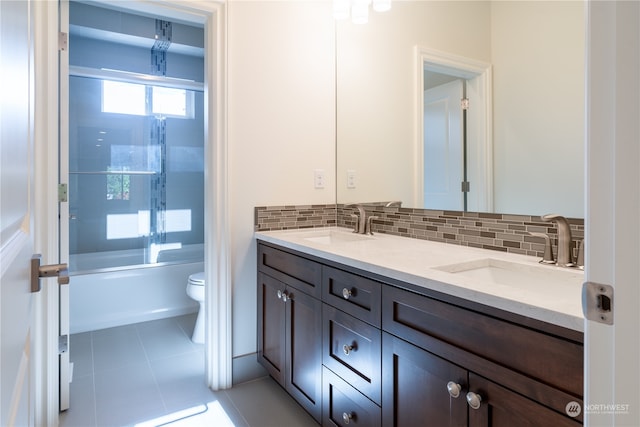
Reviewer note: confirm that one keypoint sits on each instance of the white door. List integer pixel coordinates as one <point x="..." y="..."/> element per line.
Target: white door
<point x="17" y="316"/>
<point x="612" y="352"/>
<point x="443" y="147"/>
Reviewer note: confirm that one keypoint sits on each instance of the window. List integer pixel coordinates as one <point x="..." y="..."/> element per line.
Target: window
<point x="123" y="98"/>
<point x="170" y="102"/>
<point x="140" y="100"/>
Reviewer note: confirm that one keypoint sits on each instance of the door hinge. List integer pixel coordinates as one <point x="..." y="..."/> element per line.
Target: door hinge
<point x="63" y="41"/>
<point x="62" y="193"/>
<point x="63" y="344"/>
<point x="464" y="103"/>
<point x="597" y="302"/>
<point x="465" y="187"/>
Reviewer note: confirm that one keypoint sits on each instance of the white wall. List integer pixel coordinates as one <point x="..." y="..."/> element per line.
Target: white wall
<point x="281" y="126"/>
<point x="538" y="95"/>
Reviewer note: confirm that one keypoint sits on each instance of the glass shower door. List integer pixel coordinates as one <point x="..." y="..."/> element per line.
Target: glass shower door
<point x="136" y="174"/>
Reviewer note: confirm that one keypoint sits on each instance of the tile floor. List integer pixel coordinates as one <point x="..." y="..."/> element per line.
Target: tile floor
<point x="151" y="374"/>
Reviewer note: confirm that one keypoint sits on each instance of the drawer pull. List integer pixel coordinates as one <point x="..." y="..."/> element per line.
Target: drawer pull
<point x="474" y="400"/>
<point x="346" y="293"/>
<point x="347" y="349"/>
<point x="454" y="389"/>
<point x="346" y="418"/>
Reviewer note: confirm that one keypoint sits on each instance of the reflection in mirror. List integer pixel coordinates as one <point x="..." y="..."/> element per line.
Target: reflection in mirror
<point x="453" y="139"/>
<point x="533" y="162"/>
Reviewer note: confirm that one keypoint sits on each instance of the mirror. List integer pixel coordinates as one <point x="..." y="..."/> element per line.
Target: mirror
<point x="533" y="163"/>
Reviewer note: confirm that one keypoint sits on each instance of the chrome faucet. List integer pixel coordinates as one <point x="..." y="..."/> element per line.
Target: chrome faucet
<point x="564" y="258"/>
<point x="360" y="226"/>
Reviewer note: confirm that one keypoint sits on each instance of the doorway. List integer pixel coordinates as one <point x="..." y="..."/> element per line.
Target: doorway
<point x="454" y="132"/>
<point x="135" y="169"/>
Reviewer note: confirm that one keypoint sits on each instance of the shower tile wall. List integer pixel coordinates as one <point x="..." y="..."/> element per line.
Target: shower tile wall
<point x="499" y="232"/>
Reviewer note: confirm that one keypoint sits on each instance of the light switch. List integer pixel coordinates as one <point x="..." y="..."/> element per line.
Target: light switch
<point x="351" y="178"/>
<point x="318" y="178"/>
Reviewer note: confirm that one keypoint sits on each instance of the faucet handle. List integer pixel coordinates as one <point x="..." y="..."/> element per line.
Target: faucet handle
<point x="548" y="251"/>
<point x="369" y="219"/>
<point x="355" y="223"/>
<point x="580" y="260"/>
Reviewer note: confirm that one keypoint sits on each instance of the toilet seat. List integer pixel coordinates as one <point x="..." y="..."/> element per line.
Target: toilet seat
<point x="197" y="279"/>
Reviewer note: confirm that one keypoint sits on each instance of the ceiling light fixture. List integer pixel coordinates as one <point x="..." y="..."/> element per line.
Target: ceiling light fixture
<point x="358" y="10"/>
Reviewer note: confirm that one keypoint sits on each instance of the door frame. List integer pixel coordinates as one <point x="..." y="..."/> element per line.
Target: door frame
<point x="46" y="207"/>
<point x="218" y="341"/>
<point x="479" y="123"/>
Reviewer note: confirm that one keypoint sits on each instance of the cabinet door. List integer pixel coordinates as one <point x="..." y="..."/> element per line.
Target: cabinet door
<point x="500" y="407"/>
<point x="414" y="387"/>
<point x="271" y="326"/>
<point x="303" y="378"/>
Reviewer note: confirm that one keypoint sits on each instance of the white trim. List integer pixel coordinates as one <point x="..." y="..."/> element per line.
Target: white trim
<point x="480" y="143"/>
<point x="45" y="334"/>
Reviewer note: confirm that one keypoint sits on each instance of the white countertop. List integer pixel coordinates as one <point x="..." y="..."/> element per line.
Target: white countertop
<point x="510" y="282"/>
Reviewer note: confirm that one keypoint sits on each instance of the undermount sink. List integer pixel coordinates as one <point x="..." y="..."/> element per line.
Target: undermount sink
<point x="512" y="273"/>
<point x="331" y="237"/>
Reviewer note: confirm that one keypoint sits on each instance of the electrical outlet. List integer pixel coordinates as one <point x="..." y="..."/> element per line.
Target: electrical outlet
<point x="318" y="178"/>
<point x="351" y="178"/>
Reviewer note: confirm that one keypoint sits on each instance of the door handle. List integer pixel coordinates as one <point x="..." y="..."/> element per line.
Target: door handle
<point x="52" y="270"/>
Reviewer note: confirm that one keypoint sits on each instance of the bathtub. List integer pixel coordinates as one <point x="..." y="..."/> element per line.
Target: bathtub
<point x="103" y="296"/>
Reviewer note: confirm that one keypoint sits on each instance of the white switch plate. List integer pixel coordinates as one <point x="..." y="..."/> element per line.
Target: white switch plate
<point x="318" y="178"/>
<point x="351" y="178"/>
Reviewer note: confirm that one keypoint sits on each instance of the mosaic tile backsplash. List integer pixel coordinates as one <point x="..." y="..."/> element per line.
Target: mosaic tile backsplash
<point x="498" y="232"/>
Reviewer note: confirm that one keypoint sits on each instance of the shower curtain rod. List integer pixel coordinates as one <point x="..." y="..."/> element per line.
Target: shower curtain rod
<point x="139" y="78"/>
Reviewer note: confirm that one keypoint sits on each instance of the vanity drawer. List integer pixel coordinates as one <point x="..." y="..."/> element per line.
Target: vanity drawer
<point x="352" y="349"/>
<point x="296" y="271"/>
<point x="428" y="323"/>
<point x="356" y="295"/>
<point x="344" y="405"/>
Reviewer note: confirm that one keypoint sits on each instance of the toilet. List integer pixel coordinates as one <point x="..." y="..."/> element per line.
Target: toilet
<point x="195" y="290"/>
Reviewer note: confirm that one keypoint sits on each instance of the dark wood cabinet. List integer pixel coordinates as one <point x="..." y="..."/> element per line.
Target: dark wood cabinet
<point x="290" y="337"/>
<point x="354" y="349"/>
<point x="303" y="349"/>
<point x="501" y="407"/>
<point x="545" y="367"/>
<point x="271" y="326"/>
<point x="415" y="387"/>
<point x="343" y="405"/>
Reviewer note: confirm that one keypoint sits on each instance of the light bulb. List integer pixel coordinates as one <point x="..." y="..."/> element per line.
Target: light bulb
<point x="341" y="9"/>
<point x="360" y="12"/>
<point x="381" y="5"/>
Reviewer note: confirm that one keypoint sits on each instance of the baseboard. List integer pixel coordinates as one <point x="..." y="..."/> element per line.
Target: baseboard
<point x="246" y="368"/>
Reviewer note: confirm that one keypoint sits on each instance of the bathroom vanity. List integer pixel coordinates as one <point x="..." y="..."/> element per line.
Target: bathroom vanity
<point x="384" y="330"/>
